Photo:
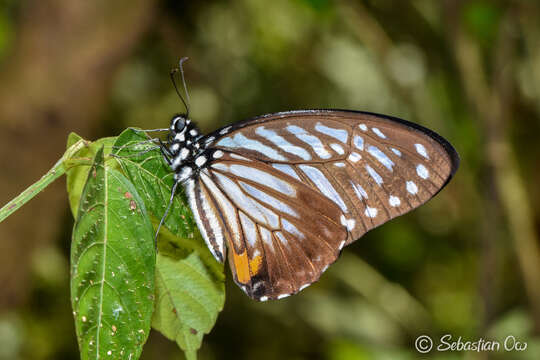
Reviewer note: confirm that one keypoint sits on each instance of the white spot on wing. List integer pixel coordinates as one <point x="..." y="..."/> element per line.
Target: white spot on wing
<point x="340" y="134"/>
<point x="324" y="186"/>
<point x="217" y="154"/>
<point x="200" y="161"/>
<point x="363" y="127"/>
<point x="396" y="151"/>
<point x="359" y="142"/>
<point x="339" y="164"/>
<point x="370" y="212"/>
<point x="394" y="201"/>
<point x="378" y="133"/>
<point x="422" y="171"/>
<point x="411" y="187"/>
<point x="354" y="157"/>
<point x="421" y="150"/>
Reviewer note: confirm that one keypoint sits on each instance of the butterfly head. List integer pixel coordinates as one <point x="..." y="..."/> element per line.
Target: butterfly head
<point x="183" y="146"/>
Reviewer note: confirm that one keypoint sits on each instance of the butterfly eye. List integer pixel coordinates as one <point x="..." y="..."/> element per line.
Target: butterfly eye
<point x="178" y="123"/>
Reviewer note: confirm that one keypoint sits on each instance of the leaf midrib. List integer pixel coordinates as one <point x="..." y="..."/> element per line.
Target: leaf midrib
<point x="105" y="238"/>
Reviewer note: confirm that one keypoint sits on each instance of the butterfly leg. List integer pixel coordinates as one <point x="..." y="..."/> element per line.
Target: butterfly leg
<point x="165" y="152"/>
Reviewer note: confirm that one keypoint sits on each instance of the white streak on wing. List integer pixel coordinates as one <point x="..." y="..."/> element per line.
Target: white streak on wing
<point x="381" y="157"/>
<point x="358" y="142"/>
<point x="339" y="164"/>
<point x="253" y="208"/>
<point x="218" y="236"/>
<point x="396" y="151"/>
<point x="394" y="201"/>
<point x="266" y="237"/>
<point x="226" y="208"/>
<point x="282" y="238"/>
<point x="311" y="140"/>
<point x="370" y="212"/>
<point x="225" y="130"/>
<point x="287" y="169"/>
<point x="290" y="228"/>
<point x="240" y="141"/>
<point x="340" y="134"/>
<point x="411" y="187"/>
<point x="363" y="127"/>
<point x="422" y="171"/>
<point x="283" y="144"/>
<point x="270" y="200"/>
<point x="378" y="179"/>
<point x="378" y="133"/>
<point x="259" y="176"/>
<point x="354" y="157"/>
<point x="323" y="185"/>
<point x="359" y="191"/>
<point x="239" y="157"/>
<point x="421" y="150"/>
<point x="337" y="148"/>
<point x="250" y="231"/>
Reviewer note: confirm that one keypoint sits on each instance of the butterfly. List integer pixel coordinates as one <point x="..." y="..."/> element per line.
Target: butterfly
<point x="280" y="195"/>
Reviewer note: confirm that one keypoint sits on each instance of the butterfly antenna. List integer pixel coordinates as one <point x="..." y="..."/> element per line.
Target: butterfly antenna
<point x="173" y="191"/>
<point x="173" y="79"/>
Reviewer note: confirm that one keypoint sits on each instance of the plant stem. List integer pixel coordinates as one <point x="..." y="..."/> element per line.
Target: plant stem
<point x="54" y="173"/>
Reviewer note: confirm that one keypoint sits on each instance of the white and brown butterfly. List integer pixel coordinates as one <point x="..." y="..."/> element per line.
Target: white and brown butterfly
<point x="284" y="193"/>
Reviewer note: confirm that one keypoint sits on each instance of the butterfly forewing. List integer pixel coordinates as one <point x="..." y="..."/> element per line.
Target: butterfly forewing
<point x="291" y="189"/>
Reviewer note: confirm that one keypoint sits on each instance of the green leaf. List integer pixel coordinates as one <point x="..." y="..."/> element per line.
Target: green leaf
<point x="112" y="267"/>
<point x="143" y="164"/>
<point x="190" y="292"/>
<point x="77" y="170"/>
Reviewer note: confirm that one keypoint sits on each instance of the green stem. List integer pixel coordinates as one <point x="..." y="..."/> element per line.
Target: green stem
<point x="54" y="173"/>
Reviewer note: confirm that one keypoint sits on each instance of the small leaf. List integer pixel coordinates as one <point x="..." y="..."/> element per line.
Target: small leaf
<point x="190" y="292"/>
<point x="112" y="267"/>
<point x="77" y="172"/>
<point x="143" y="164"/>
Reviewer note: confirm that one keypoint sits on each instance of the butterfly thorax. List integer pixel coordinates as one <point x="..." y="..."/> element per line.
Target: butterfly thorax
<point x="187" y="148"/>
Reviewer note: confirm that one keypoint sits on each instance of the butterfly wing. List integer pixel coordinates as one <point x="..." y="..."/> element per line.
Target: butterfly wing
<point x="293" y="188"/>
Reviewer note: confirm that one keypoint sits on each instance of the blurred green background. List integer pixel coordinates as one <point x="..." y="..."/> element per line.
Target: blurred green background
<point x="466" y="264"/>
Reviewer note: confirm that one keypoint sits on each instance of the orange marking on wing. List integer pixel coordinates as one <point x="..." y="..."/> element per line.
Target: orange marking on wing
<point x="255" y="264"/>
<point x="241" y="266"/>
